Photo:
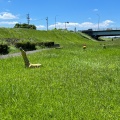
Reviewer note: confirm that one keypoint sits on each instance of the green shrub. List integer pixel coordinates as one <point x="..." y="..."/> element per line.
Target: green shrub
<point x="4" y="49"/>
<point x="26" y="46"/>
<point x="46" y="44"/>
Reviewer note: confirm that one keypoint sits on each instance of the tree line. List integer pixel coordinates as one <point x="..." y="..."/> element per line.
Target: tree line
<point x="24" y="25"/>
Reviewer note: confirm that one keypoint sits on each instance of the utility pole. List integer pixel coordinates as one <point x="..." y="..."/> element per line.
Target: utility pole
<point x="28" y="19"/>
<point x="47" y="23"/>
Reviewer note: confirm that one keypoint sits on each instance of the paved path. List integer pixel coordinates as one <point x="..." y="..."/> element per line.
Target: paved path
<point x="18" y="54"/>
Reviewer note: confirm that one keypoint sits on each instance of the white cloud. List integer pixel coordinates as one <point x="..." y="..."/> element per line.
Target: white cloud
<point x="63" y="25"/>
<point x="40" y="26"/>
<point x="106" y="23"/>
<point x="8" y="23"/>
<point x="9" y="1"/>
<point x="89" y="18"/>
<point x="95" y="10"/>
<point x="7" y="15"/>
<point x="84" y="25"/>
<point x="70" y="25"/>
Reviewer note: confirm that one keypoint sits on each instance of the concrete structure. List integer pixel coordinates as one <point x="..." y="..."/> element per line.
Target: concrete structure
<point x="97" y="34"/>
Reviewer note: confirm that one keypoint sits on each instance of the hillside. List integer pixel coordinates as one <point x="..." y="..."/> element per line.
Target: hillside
<point x="57" y="36"/>
<point x="66" y="39"/>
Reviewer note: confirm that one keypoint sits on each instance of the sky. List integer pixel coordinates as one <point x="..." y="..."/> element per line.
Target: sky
<point x="61" y="14"/>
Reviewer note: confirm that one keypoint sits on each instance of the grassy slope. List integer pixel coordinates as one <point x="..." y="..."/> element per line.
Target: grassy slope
<point x="72" y="84"/>
<point x="34" y="35"/>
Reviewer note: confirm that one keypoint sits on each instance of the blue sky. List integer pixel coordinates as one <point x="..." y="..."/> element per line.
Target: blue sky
<point x="81" y="14"/>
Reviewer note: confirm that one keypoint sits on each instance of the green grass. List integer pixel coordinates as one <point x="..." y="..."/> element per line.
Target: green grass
<point x="73" y="84"/>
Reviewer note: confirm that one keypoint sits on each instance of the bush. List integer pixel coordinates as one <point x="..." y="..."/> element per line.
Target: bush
<point x="4" y="49"/>
<point x="26" y="46"/>
<point x="46" y="44"/>
<point x="32" y="46"/>
<point x="24" y="25"/>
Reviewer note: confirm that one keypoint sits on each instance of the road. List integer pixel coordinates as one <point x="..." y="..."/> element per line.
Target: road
<point x="18" y="54"/>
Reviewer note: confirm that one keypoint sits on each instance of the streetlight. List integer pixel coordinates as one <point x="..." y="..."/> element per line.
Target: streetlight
<point x="65" y="25"/>
<point x="55" y="21"/>
<point x="98" y="20"/>
<point x="47" y="23"/>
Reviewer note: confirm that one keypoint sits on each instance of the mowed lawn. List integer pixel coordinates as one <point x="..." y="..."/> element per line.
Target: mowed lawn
<point x="72" y="84"/>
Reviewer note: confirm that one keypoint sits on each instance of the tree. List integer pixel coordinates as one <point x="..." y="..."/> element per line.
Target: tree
<point x="24" y="25"/>
<point x="17" y="25"/>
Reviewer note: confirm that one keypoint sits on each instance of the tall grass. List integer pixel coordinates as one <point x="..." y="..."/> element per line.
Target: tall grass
<point x="73" y="84"/>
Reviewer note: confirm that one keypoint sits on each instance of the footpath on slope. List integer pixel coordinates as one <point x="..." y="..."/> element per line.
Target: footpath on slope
<point x="18" y="54"/>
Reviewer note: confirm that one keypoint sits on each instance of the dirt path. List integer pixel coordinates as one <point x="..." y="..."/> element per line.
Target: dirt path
<point x="18" y="54"/>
